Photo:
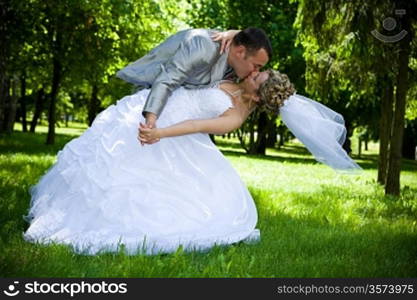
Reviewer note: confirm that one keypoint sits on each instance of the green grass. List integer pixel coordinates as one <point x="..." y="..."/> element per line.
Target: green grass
<point x="313" y="222"/>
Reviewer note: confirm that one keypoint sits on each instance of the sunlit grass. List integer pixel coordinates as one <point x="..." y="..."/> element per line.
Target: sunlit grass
<point x="313" y="222"/>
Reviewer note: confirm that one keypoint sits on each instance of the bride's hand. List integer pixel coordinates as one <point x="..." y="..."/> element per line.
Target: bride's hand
<point x="148" y="135"/>
<point x="225" y="38"/>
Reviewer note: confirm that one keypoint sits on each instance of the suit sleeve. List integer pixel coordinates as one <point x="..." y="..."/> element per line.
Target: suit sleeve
<point x="193" y="54"/>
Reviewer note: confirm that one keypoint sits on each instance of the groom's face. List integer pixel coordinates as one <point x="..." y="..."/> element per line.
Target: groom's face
<point x="247" y="63"/>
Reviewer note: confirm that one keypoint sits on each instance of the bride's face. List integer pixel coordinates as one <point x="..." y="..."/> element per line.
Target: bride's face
<point x="252" y="83"/>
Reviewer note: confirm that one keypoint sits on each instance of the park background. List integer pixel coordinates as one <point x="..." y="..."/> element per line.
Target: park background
<point x="58" y="61"/>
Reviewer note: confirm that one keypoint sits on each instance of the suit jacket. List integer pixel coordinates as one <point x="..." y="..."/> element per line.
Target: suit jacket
<point x="188" y="58"/>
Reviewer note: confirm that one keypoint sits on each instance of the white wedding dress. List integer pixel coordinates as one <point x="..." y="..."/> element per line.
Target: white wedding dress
<point x="106" y="190"/>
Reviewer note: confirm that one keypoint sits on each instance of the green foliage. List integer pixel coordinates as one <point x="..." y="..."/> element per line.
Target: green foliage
<point x="346" y="64"/>
<point x="91" y="40"/>
<point x="411" y="109"/>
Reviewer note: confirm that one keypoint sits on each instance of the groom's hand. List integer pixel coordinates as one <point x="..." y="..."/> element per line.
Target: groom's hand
<point x="150" y="124"/>
<point x="151" y="120"/>
<point x="148" y="135"/>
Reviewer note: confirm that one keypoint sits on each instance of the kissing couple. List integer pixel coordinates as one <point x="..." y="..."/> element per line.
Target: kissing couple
<point x="146" y="174"/>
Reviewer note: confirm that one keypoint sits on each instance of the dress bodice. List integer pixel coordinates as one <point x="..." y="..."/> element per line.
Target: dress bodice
<point x="211" y="102"/>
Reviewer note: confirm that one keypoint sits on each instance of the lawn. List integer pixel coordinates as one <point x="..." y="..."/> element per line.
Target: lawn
<point x="313" y="221"/>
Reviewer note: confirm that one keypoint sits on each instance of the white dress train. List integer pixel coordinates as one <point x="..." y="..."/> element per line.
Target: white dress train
<point x="106" y="190"/>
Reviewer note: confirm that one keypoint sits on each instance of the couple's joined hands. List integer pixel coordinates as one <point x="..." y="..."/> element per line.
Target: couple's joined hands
<point x="148" y="133"/>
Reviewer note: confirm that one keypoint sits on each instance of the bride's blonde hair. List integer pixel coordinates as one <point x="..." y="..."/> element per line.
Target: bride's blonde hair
<point x="274" y="91"/>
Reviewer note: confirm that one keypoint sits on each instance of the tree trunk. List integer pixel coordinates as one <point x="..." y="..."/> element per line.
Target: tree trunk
<point x="394" y="166"/>
<point x="39" y="102"/>
<point x="4" y="99"/>
<point x="50" y="139"/>
<point x="251" y="137"/>
<point x="410" y="140"/>
<point x="250" y="146"/>
<point x="23" y="104"/>
<point x="359" y="147"/>
<point x="272" y="135"/>
<point x="94" y="105"/>
<point x="261" y="136"/>
<point x="365" y="141"/>
<point x="3" y="95"/>
<point x="281" y="133"/>
<point x="4" y="54"/>
<point x="66" y="119"/>
<point x="347" y="145"/>
<point x="385" y="127"/>
<point x="10" y="107"/>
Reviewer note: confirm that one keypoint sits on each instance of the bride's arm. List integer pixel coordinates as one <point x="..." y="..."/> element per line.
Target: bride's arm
<point x="225" y="38"/>
<point x="228" y="121"/>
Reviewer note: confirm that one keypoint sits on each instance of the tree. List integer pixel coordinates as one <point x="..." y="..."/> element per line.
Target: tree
<point x="394" y="164"/>
<point x="341" y="31"/>
<point x="11" y="38"/>
<point x="55" y="48"/>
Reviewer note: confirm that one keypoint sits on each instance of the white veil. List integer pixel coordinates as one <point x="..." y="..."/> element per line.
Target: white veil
<point x="320" y="129"/>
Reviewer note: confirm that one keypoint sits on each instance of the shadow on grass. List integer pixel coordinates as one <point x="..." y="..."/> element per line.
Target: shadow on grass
<point x="365" y="164"/>
<point x="365" y="161"/>
<point x="375" y="203"/>
<point x="30" y="143"/>
<point x="287" y="148"/>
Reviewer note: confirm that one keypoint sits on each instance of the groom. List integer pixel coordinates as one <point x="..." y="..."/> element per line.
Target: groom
<point x="190" y="58"/>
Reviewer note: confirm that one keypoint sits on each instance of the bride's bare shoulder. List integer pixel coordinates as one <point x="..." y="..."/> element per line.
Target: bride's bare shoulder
<point x="230" y="88"/>
<point x="230" y="85"/>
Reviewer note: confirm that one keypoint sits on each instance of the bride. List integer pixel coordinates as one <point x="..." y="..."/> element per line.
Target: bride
<point x="106" y="191"/>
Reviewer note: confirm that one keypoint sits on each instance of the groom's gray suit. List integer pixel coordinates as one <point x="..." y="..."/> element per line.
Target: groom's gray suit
<point x="188" y="58"/>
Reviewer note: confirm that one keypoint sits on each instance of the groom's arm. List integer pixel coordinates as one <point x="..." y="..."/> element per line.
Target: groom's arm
<point x="194" y="53"/>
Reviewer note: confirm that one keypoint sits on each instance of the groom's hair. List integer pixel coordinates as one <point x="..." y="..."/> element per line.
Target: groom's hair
<point x="253" y="39"/>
